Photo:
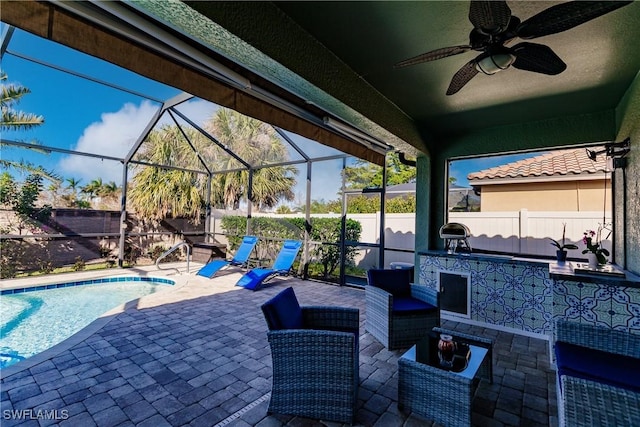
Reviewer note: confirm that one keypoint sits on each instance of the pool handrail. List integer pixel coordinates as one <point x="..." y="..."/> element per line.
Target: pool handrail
<point x="168" y="251"/>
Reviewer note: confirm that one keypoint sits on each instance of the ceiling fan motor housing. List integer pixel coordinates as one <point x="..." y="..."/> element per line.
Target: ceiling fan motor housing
<point x="495" y="62"/>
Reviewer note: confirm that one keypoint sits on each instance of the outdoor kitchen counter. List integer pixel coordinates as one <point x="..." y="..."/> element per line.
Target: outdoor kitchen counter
<point x="556" y="270"/>
<point x="565" y="271"/>
<point x="525" y="295"/>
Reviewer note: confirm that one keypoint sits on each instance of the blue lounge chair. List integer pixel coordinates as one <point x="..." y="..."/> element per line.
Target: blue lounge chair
<point x="254" y="279"/>
<point x="240" y="259"/>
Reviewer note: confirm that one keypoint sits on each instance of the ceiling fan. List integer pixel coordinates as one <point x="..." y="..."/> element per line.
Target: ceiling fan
<point x="494" y="27"/>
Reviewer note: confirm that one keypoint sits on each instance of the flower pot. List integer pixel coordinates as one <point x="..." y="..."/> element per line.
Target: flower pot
<point x="561" y="256"/>
<point x="593" y="260"/>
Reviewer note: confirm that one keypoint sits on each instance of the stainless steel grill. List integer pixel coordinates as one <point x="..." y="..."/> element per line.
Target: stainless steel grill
<point x="456" y="237"/>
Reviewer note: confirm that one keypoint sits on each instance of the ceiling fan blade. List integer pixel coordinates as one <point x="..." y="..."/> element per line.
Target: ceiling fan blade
<point x="565" y="16"/>
<point x="433" y="55"/>
<point x="489" y="17"/>
<point x="462" y="77"/>
<point x="537" y="58"/>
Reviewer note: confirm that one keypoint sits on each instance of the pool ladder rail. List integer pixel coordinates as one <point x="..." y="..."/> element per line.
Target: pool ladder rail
<point x="167" y="252"/>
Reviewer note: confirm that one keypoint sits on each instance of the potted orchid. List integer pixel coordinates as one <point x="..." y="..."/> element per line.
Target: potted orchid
<point x="595" y="252"/>
<point x="561" y="253"/>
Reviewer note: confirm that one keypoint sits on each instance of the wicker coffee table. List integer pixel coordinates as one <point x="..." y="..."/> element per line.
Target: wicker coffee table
<point x="440" y="394"/>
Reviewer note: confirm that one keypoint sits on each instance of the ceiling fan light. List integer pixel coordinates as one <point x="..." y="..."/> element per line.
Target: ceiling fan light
<point x="494" y="63"/>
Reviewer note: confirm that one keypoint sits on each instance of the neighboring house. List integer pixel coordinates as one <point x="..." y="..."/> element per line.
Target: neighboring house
<point x="461" y="199"/>
<point x="562" y="180"/>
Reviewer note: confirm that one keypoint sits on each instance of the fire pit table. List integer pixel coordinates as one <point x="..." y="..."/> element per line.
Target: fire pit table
<point x="439" y="391"/>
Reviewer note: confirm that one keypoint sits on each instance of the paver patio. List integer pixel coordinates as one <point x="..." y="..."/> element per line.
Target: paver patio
<point x="198" y="355"/>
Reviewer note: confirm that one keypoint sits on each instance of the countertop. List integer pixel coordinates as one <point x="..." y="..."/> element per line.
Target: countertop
<point x="558" y="271"/>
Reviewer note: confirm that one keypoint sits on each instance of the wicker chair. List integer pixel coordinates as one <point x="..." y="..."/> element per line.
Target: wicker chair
<point x="315" y="358"/>
<point x="598" y="377"/>
<point x="399" y="313"/>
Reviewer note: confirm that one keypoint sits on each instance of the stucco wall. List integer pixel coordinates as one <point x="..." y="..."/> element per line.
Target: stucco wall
<point x="627" y="188"/>
<point x="546" y="196"/>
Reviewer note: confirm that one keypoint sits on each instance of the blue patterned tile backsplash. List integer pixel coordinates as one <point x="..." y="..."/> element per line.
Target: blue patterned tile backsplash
<point x="521" y="295"/>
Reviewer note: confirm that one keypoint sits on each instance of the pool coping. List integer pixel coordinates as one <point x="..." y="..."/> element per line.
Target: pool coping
<point x="50" y="279"/>
<point x="96" y="325"/>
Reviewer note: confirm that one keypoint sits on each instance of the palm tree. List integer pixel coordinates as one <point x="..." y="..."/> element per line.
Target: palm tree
<point x="12" y="93"/>
<point x="256" y="143"/>
<point x="109" y="194"/>
<point x="156" y="193"/>
<point x="53" y="189"/>
<point x="73" y="185"/>
<point x="92" y="189"/>
<point x="13" y="119"/>
<point x="70" y="197"/>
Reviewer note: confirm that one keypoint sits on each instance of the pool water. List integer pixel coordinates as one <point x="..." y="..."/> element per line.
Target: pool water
<point x="31" y="322"/>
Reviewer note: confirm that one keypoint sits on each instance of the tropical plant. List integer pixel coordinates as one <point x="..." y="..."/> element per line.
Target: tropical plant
<point x="326" y="231"/>
<point x="593" y="242"/>
<point x="257" y="144"/>
<point x="365" y="174"/>
<point x="93" y="189"/>
<point x="21" y="197"/>
<point x="158" y="192"/>
<point x="15" y="120"/>
<point x="561" y="245"/>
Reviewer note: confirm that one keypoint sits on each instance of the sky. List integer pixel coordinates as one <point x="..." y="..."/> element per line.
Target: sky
<point x="84" y="115"/>
<point x="88" y="116"/>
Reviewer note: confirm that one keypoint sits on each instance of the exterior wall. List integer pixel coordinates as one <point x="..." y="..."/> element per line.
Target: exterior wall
<point x="546" y="196"/>
<point x="627" y="182"/>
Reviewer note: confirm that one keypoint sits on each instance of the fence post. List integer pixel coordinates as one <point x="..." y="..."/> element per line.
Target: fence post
<point x="523" y="231"/>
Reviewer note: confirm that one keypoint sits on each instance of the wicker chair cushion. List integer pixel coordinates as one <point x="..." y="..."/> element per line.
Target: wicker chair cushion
<point x="595" y="365"/>
<point x="283" y="311"/>
<point x="396" y="282"/>
<point x="408" y="305"/>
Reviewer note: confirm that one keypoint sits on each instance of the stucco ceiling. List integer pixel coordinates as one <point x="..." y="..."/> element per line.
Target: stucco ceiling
<point x="368" y="38"/>
<point x="602" y="58"/>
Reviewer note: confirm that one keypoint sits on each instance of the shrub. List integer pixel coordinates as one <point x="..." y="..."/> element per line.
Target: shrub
<point x="324" y="230"/>
<point x="79" y="265"/>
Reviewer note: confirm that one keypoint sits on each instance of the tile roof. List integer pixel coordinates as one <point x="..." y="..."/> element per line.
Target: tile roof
<point x="555" y="163"/>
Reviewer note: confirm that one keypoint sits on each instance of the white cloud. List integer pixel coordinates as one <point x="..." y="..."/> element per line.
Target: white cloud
<point x="115" y="134"/>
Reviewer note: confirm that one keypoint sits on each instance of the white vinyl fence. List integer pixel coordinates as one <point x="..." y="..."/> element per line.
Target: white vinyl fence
<point x="518" y="232"/>
<point x="526" y="232"/>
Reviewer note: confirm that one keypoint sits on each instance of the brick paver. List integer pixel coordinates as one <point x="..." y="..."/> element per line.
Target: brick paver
<point x="198" y="353"/>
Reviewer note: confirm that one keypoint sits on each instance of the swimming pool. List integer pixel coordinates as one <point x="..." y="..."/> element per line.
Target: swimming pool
<point x="35" y="319"/>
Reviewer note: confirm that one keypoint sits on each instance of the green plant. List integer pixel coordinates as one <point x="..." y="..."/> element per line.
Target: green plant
<point x="105" y="251"/>
<point x="326" y="231"/>
<point x="79" y="265"/>
<point x="563" y="246"/>
<point x="156" y="251"/>
<point x="131" y="252"/>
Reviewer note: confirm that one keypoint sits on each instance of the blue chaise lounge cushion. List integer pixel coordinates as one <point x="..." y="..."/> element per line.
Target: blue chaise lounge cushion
<point x="283" y="311"/>
<point x="396" y="282"/>
<point x="600" y="366"/>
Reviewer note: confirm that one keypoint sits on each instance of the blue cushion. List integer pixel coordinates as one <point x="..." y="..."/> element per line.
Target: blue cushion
<point x="408" y="305"/>
<point x="595" y="365"/>
<point x="283" y="311"/>
<point x="397" y="282"/>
